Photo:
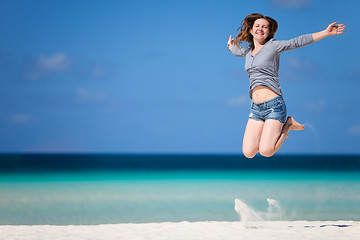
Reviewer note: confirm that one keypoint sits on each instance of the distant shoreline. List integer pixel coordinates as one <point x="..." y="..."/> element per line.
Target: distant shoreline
<point x="77" y="162"/>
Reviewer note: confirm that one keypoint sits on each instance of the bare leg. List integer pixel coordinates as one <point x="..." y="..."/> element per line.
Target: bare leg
<point x="252" y="137"/>
<point x="271" y="137"/>
<point x="274" y="134"/>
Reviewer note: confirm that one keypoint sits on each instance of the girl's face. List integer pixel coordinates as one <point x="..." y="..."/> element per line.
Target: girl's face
<point x="260" y="30"/>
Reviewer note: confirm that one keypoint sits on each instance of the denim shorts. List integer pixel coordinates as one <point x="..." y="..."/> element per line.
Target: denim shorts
<point x="273" y="109"/>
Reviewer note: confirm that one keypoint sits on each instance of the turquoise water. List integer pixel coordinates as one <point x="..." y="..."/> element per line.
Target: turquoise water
<point x="161" y="196"/>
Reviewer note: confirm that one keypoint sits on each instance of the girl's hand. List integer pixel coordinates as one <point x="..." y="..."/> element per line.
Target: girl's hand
<point x="230" y="43"/>
<point x="333" y="29"/>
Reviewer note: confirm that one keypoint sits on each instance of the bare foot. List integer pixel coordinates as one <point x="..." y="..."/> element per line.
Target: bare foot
<point x="291" y="124"/>
<point x="294" y="125"/>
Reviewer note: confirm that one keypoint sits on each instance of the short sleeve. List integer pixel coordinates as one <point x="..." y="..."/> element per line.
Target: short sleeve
<point x="286" y="45"/>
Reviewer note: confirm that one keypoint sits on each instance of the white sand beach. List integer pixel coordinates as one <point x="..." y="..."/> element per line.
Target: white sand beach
<point x="190" y="230"/>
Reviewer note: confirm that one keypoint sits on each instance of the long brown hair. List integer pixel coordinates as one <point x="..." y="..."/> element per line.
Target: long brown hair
<point x="247" y="24"/>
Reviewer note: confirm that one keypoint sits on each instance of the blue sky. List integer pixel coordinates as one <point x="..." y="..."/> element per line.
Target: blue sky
<point x="156" y="76"/>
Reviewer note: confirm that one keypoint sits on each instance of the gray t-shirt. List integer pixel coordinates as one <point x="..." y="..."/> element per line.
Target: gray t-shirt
<point x="263" y="67"/>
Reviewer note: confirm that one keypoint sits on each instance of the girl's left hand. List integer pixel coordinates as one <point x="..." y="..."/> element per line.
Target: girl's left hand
<point x="333" y="29"/>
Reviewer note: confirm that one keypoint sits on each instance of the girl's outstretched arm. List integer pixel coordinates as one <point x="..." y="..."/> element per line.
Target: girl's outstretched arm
<point x="331" y="30"/>
<point x="235" y="49"/>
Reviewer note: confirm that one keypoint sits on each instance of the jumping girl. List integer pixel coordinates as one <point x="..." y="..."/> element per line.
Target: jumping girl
<point x="268" y="126"/>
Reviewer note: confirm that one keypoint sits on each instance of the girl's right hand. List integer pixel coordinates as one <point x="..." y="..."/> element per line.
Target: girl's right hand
<point x="230" y="43"/>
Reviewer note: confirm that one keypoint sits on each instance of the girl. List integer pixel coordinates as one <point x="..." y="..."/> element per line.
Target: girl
<point x="268" y="126"/>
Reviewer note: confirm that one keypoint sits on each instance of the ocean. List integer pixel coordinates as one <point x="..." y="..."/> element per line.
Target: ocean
<point x="110" y="189"/>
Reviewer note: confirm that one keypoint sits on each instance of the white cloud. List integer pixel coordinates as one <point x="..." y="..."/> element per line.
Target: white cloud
<point x="238" y="101"/>
<point x="57" y="63"/>
<point x="354" y="130"/>
<point x="98" y="100"/>
<point x="19" y="118"/>
<point x="57" y="144"/>
<point x="84" y="95"/>
<point x="317" y="107"/>
<point x="299" y="63"/>
<point x="291" y="4"/>
<point x="93" y="70"/>
<point x="296" y="68"/>
<point x="46" y="65"/>
<point x="98" y="71"/>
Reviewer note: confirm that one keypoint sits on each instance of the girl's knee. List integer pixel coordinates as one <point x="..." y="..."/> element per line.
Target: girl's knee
<point x="249" y="154"/>
<point x="267" y="152"/>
